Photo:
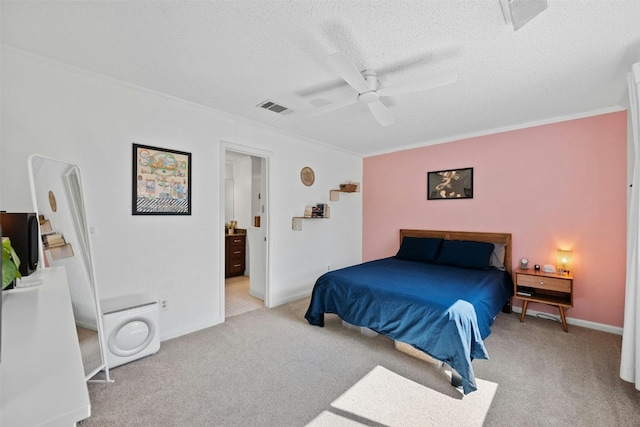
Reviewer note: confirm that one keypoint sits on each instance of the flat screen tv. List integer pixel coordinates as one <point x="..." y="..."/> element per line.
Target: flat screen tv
<point x="23" y="230"/>
<point x="1" y="299"/>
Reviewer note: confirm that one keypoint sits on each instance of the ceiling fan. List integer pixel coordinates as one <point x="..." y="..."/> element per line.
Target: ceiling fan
<point x="367" y="85"/>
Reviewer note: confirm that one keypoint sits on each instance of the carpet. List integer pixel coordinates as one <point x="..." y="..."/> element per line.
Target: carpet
<point x="269" y="367"/>
<point x="384" y="398"/>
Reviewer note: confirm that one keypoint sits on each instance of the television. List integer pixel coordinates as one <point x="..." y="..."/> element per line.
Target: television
<point x="1" y="299"/>
<point x="23" y="230"/>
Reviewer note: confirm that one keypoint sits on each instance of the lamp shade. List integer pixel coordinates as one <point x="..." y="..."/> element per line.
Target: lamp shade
<point x="564" y="261"/>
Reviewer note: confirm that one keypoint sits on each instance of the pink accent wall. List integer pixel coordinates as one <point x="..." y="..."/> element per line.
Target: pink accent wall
<point x="556" y="186"/>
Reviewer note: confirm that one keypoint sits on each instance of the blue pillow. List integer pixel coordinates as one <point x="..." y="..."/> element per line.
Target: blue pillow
<point x="465" y="253"/>
<point x="424" y="249"/>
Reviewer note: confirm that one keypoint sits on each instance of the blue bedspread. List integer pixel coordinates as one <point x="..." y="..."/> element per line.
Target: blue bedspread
<point x="443" y="311"/>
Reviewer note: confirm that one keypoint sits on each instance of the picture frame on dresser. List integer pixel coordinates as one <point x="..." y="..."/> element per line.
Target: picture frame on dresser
<point x="161" y="183"/>
<point x="450" y="184"/>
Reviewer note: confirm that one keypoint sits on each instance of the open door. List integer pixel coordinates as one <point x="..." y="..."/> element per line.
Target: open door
<point x="245" y="173"/>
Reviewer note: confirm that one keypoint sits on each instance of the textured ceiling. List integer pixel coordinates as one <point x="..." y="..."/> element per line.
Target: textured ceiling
<point x="569" y="61"/>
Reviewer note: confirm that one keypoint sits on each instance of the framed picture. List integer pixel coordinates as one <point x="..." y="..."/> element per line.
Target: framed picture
<point x="161" y="181"/>
<point x="450" y="184"/>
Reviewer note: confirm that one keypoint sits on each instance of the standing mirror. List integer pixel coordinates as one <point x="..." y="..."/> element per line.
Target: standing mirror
<point x="56" y="191"/>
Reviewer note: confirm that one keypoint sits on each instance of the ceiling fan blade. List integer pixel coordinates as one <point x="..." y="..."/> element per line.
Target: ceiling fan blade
<point x="419" y="85"/>
<point x="349" y="73"/>
<point x="333" y="106"/>
<point x="381" y="113"/>
<point x="433" y="56"/>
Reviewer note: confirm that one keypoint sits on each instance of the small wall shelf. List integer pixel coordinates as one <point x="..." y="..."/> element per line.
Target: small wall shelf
<point x="55" y="245"/>
<point x="334" y="195"/>
<point x="296" y="221"/>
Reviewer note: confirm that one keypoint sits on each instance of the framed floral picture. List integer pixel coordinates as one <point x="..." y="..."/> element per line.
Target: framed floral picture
<point x="161" y="181"/>
<point x="450" y="184"/>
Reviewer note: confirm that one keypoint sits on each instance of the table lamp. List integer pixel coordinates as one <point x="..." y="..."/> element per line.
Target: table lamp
<point x="564" y="261"/>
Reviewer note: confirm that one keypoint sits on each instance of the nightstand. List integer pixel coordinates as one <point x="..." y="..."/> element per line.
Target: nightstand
<point x="547" y="288"/>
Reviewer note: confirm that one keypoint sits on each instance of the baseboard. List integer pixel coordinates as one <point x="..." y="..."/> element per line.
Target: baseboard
<point x="290" y="298"/>
<point x="572" y="321"/>
<point x="90" y="326"/>
<point x="178" y="332"/>
<point x="175" y="333"/>
<point x="259" y="295"/>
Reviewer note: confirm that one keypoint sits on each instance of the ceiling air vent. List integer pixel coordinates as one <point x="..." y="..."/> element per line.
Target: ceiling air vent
<point x="276" y="108"/>
<point x="519" y="12"/>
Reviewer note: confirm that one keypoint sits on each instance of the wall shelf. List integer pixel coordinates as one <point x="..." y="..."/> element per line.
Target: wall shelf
<point x="334" y="195"/>
<point x="296" y="221"/>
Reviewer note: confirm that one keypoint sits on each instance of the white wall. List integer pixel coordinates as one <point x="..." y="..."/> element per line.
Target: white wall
<point x="74" y="115"/>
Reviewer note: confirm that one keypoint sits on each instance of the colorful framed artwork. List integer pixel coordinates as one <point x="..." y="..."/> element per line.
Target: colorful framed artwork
<point x="450" y="184"/>
<point x="161" y="181"/>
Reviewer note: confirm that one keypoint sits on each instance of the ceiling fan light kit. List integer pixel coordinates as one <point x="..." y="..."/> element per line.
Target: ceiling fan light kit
<point x="368" y="97"/>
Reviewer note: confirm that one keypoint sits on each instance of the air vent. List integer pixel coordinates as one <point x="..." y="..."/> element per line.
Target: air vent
<point x="276" y="108"/>
<point x="519" y="12"/>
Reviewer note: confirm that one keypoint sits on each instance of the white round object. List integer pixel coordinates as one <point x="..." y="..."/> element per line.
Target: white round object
<point x="131" y="333"/>
<point x="129" y="338"/>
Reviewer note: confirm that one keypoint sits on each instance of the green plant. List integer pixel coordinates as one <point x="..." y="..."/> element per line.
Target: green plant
<point x="10" y="263"/>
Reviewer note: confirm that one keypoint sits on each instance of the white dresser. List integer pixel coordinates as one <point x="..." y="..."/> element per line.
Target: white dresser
<point x="41" y="374"/>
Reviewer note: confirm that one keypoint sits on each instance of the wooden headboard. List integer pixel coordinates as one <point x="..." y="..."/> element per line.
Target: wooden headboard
<point x="467" y="235"/>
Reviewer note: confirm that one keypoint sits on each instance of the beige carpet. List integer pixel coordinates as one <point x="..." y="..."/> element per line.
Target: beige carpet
<point x="269" y="367"/>
<point x="89" y="349"/>
<point x="383" y="397"/>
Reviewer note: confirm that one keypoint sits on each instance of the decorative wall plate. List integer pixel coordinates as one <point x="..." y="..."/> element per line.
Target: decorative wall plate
<point x="307" y="176"/>
<point x="52" y="201"/>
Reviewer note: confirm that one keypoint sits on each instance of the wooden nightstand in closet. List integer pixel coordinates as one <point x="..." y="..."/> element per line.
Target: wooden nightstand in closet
<point x="546" y="288"/>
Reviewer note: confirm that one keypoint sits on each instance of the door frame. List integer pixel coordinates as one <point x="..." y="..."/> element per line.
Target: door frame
<point x="266" y="155"/>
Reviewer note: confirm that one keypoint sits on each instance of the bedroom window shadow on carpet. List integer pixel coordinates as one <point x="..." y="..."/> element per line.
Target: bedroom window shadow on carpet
<point x="384" y="398"/>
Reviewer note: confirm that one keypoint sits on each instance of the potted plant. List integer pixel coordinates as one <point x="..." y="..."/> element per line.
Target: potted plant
<point x="10" y="263"/>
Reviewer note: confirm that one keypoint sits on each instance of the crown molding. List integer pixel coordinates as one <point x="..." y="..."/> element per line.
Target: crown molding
<point x="83" y="72"/>
<point x="494" y="131"/>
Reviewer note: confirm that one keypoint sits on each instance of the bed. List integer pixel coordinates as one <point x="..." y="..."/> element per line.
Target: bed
<point x="439" y="294"/>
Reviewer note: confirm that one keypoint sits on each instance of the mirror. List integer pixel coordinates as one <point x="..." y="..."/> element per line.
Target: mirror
<point x="228" y="199"/>
<point x="56" y="191"/>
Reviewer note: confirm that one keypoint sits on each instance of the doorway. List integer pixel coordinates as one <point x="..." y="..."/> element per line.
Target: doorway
<point x="245" y="216"/>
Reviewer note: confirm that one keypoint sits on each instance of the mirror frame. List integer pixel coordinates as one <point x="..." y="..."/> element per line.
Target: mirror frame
<point x="77" y="208"/>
